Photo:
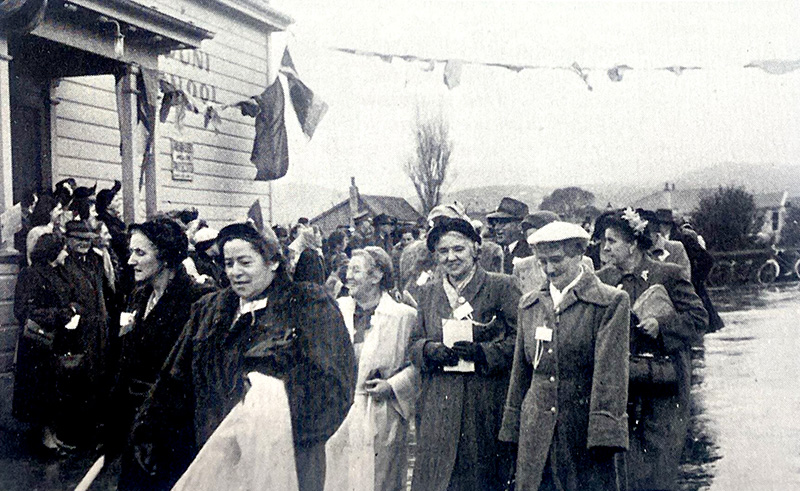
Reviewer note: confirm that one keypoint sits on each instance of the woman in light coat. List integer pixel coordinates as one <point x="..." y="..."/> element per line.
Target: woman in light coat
<point x="369" y="449"/>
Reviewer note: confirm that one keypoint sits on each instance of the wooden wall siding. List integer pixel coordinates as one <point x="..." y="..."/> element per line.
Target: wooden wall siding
<point x="9" y="327"/>
<point x="230" y="67"/>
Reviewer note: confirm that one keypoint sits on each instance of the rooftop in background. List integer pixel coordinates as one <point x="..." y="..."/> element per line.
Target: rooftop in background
<point x="339" y="214"/>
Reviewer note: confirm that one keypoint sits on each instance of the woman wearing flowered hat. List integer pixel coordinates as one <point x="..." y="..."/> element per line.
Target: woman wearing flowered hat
<point x="658" y="400"/>
<point x="462" y="345"/>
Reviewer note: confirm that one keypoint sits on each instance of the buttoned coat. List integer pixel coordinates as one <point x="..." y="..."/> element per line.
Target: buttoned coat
<point x="659" y="415"/>
<point x="575" y="398"/>
<point x="384" y="351"/>
<point x="459" y="413"/>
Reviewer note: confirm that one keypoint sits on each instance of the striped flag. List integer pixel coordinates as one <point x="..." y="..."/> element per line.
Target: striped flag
<point x="270" y="148"/>
<point x="309" y="108"/>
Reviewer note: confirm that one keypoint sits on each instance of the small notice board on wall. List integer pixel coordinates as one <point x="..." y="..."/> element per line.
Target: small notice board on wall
<point x="182" y="160"/>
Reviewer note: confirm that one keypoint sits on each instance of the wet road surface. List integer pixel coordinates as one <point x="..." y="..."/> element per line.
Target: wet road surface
<point x="745" y="432"/>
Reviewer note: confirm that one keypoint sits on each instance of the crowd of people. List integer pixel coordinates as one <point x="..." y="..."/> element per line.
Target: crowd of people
<point x="526" y="353"/>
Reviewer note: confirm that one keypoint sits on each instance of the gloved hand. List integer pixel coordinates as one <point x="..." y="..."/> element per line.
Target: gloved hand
<point x="143" y="453"/>
<point x="439" y="354"/>
<point x="469" y="351"/>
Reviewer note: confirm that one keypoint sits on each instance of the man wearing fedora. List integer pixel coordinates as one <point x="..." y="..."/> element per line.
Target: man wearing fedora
<point x="660" y="226"/>
<point x="506" y="220"/>
<point x="384" y="231"/>
<point x="364" y="234"/>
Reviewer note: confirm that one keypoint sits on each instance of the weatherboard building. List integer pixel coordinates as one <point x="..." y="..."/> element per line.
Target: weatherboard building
<point x="74" y="76"/>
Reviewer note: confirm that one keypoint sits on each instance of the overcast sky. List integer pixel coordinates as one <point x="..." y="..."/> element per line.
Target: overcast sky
<point x="544" y="126"/>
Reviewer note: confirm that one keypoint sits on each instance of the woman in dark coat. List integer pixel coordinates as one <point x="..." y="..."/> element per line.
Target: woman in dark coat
<point x="151" y="324"/>
<point x="43" y="296"/>
<point x="265" y="323"/>
<point x="658" y="412"/>
<point x="460" y="412"/>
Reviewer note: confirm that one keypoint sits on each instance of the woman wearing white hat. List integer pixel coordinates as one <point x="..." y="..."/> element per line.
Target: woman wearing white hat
<point x="569" y="382"/>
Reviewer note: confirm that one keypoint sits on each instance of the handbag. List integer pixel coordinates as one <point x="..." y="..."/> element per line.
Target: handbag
<point x="649" y="369"/>
<point x="33" y="332"/>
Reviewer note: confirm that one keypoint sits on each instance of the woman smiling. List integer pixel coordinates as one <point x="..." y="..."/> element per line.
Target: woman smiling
<point x="463" y="346"/>
<point x="262" y="323"/>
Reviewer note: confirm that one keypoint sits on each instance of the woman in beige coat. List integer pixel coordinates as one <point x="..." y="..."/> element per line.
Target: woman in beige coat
<point x="368" y="452"/>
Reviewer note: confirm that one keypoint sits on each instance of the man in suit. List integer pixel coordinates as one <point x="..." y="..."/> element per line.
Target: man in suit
<point x="506" y="221"/>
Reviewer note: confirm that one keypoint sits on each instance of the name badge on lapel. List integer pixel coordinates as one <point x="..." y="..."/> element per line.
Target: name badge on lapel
<point x="126" y="320"/>
<point x="544" y="334"/>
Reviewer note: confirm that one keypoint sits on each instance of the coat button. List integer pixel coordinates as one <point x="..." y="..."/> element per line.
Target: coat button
<point x="550" y="350"/>
<point x="552" y="379"/>
<point x="553" y="410"/>
<point x="461" y="299"/>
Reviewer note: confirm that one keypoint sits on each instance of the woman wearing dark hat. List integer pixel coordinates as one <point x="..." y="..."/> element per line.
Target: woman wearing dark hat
<point x="43" y="295"/>
<point x="109" y="211"/>
<point x="262" y="323"/>
<point x="149" y="327"/>
<point x="45" y="219"/>
<point x="463" y="345"/>
<point x="658" y="407"/>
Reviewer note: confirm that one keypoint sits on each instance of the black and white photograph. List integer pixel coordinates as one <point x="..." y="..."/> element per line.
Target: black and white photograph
<point x="417" y="245"/>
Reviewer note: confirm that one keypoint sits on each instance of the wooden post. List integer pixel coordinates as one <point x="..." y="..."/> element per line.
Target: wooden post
<point x="151" y="176"/>
<point x="126" y="92"/>
<point x="6" y="183"/>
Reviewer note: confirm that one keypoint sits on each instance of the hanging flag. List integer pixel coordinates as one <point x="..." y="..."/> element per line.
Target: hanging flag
<point x="212" y="117"/>
<point x="615" y="73"/>
<point x="310" y="109"/>
<point x="775" y="67"/>
<point x="452" y="73"/>
<point x="254" y="215"/>
<point x="270" y="148"/>
<point x="678" y="69"/>
<point x="147" y="84"/>
<point x="180" y="100"/>
<point x="582" y="73"/>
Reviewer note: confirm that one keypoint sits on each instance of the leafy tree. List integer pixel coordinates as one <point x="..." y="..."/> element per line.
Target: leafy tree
<point x="726" y="219"/>
<point x="428" y="168"/>
<point x="570" y="203"/>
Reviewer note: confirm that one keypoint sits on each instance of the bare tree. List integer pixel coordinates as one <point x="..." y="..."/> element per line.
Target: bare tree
<point x="429" y="166"/>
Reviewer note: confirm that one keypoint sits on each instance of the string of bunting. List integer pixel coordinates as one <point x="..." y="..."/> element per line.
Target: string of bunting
<point x="453" y="67"/>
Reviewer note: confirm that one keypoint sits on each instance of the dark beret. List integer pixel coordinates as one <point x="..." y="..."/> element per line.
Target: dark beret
<point x="445" y="224"/>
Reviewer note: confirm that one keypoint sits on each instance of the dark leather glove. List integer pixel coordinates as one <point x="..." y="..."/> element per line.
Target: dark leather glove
<point x="143" y="453"/>
<point x="469" y="351"/>
<point x="439" y="354"/>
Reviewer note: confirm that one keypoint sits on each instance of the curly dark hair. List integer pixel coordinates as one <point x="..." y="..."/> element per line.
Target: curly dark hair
<point x="168" y="238"/>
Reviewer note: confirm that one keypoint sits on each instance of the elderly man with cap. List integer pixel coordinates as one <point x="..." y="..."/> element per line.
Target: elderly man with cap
<point x="84" y="371"/>
<point x="567" y="398"/>
<point x="506" y="221"/>
<point x="462" y="346"/>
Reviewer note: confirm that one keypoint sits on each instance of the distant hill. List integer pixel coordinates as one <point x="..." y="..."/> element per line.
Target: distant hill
<point x="756" y="178"/>
<point x="486" y="198"/>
